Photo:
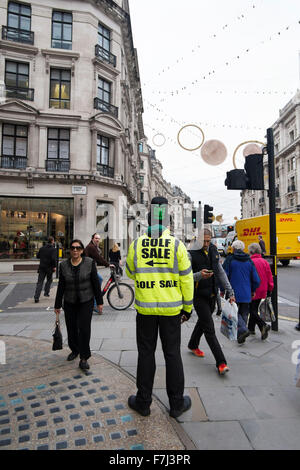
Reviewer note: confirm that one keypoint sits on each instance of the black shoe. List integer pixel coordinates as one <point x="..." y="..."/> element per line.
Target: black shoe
<point x="264" y="331"/>
<point x="83" y="364"/>
<point x="36" y="301"/>
<point x="72" y="356"/>
<point x="243" y="336"/>
<point x="46" y="295"/>
<point x="187" y="403"/>
<point x="133" y="405"/>
<point x="252" y="333"/>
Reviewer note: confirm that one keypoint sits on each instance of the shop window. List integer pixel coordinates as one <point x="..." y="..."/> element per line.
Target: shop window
<point x="26" y="224"/>
<point x="61" y="30"/>
<point x="60" y="88"/>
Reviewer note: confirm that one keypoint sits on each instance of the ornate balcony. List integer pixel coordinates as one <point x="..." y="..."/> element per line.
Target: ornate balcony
<point x="105" y="56"/>
<point x="105" y="170"/>
<point x="106" y="107"/>
<point x="17" y="163"/>
<point x="20" y="93"/>
<point x="17" y="35"/>
<point x="61" y="166"/>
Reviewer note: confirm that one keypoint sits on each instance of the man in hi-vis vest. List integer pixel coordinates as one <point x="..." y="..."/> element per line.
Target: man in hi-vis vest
<point x="164" y="288"/>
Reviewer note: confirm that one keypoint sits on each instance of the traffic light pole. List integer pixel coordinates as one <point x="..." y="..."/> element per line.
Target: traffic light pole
<point x="272" y="211"/>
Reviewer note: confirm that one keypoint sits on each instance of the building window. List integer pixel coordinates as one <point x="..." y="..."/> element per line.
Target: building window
<point x="60" y="88"/>
<point x="276" y="148"/>
<point x="292" y="136"/>
<point x="293" y="163"/>
<point x="142" y="198"/>
<point x="104" y="90"/>
<point x="142" y="165"/>
<point x="14" y="146"/>
<point x="277" y="172"/>
<point x="58" y="156"/>
<point x="142" y="180"/>
<point x="103" y="157"/>
<point x="289" y="165"/>
<point x="141" y="147"/>
<point x="61" y="30"/>
<point x="104" y="37"/>
<point x="292" y="202"/>
<point x="19" y="16"/>
<point x="16" y="74"/>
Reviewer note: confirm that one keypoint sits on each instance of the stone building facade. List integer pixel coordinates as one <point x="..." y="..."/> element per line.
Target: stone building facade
<point x="287" y="166"/>
<point x="70" y="125"/>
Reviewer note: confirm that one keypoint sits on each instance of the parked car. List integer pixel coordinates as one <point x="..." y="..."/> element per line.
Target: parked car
<point x="219" y="243"/>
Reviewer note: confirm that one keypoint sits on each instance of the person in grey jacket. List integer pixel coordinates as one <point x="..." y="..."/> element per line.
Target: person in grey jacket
<point x="77" y="287"/>
<point x="208" y="275"/>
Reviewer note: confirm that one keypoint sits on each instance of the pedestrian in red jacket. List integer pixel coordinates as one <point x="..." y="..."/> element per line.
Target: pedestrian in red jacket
<point x="264" y="290"/>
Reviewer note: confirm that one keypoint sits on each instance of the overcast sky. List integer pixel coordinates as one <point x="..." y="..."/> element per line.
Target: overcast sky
<point x="248" y="53"/>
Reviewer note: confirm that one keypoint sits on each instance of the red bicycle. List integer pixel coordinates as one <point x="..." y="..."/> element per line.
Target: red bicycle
<point x="120" y="295"/>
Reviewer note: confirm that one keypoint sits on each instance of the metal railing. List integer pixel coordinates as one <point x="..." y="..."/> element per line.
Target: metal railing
<point x="18" y="163"/>
<point x="58" y="165"/>
<point x="106" y="107"/>
<point x="17" y="35"/>
<point x="105" y="170"/>
<point x="105" y="55"/>
<point x="20" y="93"/>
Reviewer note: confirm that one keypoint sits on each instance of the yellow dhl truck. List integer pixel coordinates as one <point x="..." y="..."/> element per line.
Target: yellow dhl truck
<point x="288" y="234"/>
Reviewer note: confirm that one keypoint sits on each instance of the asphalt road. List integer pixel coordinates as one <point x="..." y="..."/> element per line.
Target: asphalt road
<point x="289" y="281"/>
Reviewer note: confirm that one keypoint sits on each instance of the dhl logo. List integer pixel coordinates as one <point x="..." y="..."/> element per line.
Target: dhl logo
<point x="287" y="220"/>
<point x="251" y="231"/>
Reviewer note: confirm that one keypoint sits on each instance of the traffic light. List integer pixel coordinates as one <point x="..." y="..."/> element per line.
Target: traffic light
<point x="250" y="178"/>
<point x="194" y="218"/>
<point x="208" y="215"/>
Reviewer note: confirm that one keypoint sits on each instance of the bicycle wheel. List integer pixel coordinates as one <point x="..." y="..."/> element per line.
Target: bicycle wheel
<point x="120" y="302"/>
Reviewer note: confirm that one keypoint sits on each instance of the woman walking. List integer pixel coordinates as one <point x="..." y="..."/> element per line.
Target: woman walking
<point x="265" y="288"/>
<point x="78" y="285"/>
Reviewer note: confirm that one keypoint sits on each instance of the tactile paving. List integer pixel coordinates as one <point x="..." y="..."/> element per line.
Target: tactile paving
<point x="47" y="403"/>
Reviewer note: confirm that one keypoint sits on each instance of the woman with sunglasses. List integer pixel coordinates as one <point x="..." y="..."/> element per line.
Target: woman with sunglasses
<point x="78" y="285"/>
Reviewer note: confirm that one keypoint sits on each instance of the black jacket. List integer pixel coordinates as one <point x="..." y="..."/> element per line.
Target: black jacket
<point x="47" y="257"/>
<point x="78" y="284"/>
<point x="201" y="260"/>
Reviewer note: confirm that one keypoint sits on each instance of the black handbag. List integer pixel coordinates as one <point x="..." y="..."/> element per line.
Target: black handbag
<point x="57" y="337"/>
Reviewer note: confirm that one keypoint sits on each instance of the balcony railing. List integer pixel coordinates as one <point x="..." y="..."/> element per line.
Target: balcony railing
<point x="105" y="170"/>
<point x="106" y="107"/>
<point x="291" y="188"/>
<point x="105" y="55"/>
<point x="20" y="93"/>
<point x="18" y="163"/>
<point x="62" y="166"/>
<point x="17" y="35"/>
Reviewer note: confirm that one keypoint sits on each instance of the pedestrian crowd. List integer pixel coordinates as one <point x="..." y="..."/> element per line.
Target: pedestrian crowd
<point x="169" y="281"/>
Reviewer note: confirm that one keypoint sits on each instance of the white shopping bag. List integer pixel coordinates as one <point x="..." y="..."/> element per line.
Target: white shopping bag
<point x="229" y="320"/>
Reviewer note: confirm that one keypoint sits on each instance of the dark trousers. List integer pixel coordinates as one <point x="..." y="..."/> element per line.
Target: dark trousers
<point x="243" y="312"/>
<point x="254" y="318"/>
<point x="78" y="319"/>
<point x="204" y="307"/>
<point x="169" y="328"/>
<point x="40" y="282"/>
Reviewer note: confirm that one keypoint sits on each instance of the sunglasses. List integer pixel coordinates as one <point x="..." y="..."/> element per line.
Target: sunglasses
<point x="73" y="248"/>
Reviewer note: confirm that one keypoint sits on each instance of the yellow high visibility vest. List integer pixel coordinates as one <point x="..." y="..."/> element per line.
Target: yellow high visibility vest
<point x="162" y="273"/>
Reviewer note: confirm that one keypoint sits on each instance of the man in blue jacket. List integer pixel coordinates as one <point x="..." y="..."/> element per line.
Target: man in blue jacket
<point x="244" y="280"/>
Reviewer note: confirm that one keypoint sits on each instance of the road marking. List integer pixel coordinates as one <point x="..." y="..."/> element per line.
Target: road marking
<point x="5" y="293"/>
<point x="282" y="300"/>
<point x="282" y="317"/>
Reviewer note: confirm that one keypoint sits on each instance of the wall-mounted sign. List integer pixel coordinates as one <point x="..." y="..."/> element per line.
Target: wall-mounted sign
<point x="78" y="189"/>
